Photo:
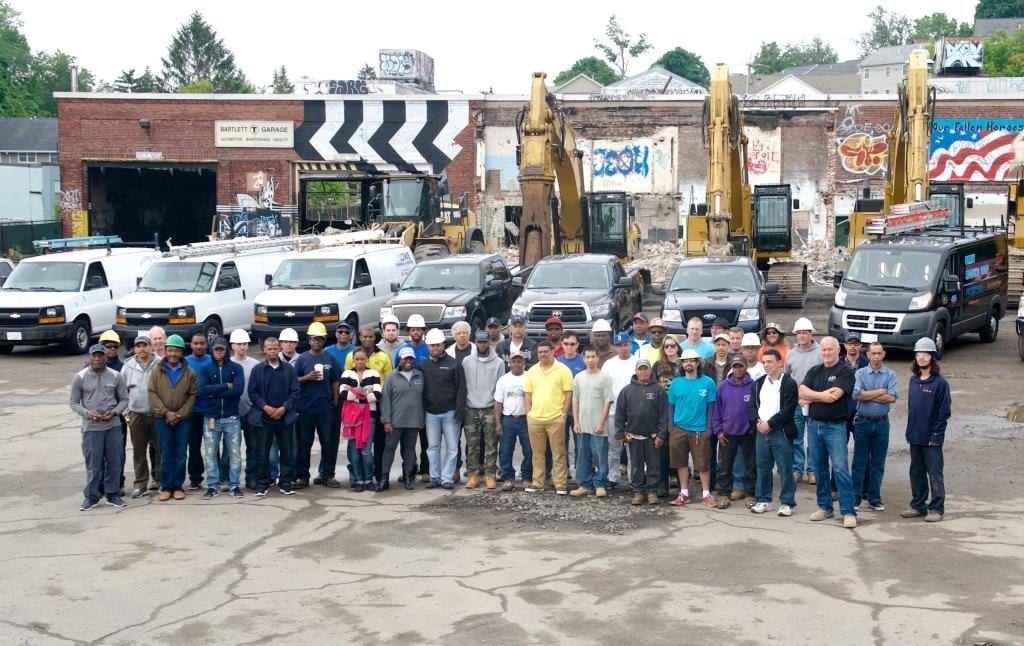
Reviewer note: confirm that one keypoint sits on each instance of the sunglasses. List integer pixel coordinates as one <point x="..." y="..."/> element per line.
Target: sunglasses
<point x="344" y="331"/>
<point x="110" y="345"/>
<point x="670" y="345"/>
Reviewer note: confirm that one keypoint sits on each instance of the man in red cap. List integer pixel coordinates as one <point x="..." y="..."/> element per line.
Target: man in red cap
<point x="639" y="335"/>
<point x="554" y="329"/>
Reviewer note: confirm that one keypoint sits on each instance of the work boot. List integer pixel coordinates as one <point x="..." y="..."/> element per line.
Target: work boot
<point x="472" y="482"/>
<point x="580" y="492"/>
<point x="491" y="482"/>
<point x="811" y="479"/>
<point x="652" y="498"/>
<point x="736" y="494"/>
<point x="639" y="499"/>
<point x="601" y="492"/>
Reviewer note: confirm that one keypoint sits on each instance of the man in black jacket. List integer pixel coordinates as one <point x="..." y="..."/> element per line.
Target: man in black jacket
<point x="274" y="392"/>
<point x="444" y="399"/>
<point x="771" y="412"/>
<point x="641" y="419"/>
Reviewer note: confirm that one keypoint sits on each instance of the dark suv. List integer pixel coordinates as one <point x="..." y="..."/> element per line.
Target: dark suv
<point x="708" y="288"/>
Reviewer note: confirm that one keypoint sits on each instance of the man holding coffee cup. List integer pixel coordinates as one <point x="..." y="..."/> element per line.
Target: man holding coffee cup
<point x="319" y="378"/>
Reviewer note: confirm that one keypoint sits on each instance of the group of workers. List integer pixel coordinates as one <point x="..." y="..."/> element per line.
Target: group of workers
<point x="738" y="406"/>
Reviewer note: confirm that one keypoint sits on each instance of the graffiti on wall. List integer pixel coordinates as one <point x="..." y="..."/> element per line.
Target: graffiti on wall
<point x="256" y="213"/>
<point x="618" y="165"/>
<point x="972" y="150"/>
<point x="625" y="160"/>
<point x="985" y="85"/>
<point x="764" y="155"/>
<point x="960" y="54"/>
<point x="860" y="142"/>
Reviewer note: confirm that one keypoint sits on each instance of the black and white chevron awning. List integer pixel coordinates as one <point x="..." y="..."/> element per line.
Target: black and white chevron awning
<point x="401" y="135"/>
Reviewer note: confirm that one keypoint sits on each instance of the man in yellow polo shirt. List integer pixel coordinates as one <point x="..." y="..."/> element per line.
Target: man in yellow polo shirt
<point x="548" y="394"/>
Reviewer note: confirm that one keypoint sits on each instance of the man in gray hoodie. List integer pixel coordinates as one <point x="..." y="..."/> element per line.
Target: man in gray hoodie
<point x="799" y="360"/>
<point x="482" y="370"/>
<point x="145" y="443"/>
<point x="402" y="414"/>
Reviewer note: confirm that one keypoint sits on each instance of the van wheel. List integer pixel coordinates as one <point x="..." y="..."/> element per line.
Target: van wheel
<point x="938" y="335"/>
<point x="211" y="329"/>
<point x="78" y="342"/>
<point x="991" y="330"/>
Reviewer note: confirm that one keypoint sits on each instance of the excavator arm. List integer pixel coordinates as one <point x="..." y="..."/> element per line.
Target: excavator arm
<point x="728" y="188"/>
<point x="547" y="153"/>
<point x="909" y="137"/>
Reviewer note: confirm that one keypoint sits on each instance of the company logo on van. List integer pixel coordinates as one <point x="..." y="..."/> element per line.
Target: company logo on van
<point x="289" y="314"/>
<point x="146" y="315"/>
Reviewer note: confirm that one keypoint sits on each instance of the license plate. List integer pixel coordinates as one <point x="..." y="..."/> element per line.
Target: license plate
<point x="14" y="336"/>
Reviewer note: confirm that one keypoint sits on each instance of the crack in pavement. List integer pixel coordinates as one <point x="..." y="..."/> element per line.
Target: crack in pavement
<point x="40" y="629"/>
<point x="57" y="556"/>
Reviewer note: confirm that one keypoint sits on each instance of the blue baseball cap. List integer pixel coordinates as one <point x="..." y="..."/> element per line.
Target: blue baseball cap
<point x="852" y="336"/>
<point x="98" y="348"/>
<point x="622" y="337"/>
<point x="516" y="318"/>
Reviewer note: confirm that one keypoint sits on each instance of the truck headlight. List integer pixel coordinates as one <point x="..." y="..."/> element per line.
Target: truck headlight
<point x="921" y="301"/>
<point x="521" y="310"/>
<point x="840" y="297"/>
<point x="600" y="311"/>
<point x="458" y="311"/>
<point x="672" y="316"/>
<point x="751" y="314"/>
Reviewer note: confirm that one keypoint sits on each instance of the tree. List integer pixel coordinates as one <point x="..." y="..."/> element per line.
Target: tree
<point x="999" y="9"/>
<point x="686" y="64"/>
<point x="15" y="66"/>
<point x="52" y="73"/>
<point x="367" y="73"/>
<point x="281" y="84"/>
<point x="1003" y="54"/>
<point x="202" y="86"/>
<point x="620" y="48"/>
<point x="888" y="28"/>
<point x="938" y="25"/>
<point x="772" y="58"/>
<point x="128" y="82"/>
<point x="593" y="67"/>
<point x="197" y="54"/>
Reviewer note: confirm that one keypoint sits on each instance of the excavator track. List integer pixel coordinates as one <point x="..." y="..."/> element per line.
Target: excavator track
<point x="1016" y="278"/>
<point x="792" y="280"/>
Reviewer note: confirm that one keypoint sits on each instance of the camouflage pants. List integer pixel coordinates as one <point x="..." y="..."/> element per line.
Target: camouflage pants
<point x="479" y="426"/>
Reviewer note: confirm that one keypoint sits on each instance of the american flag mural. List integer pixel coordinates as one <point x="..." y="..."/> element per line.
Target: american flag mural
<point x="972" y="150"/>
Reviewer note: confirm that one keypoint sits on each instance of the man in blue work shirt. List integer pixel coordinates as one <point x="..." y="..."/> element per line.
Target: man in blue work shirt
<point x="199" y="361"/>
<point x="874" y="389"/>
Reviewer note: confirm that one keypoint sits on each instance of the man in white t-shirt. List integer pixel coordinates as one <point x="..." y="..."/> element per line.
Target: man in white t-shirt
<point x="510" y="422"/>
<point x="620" y="369"/>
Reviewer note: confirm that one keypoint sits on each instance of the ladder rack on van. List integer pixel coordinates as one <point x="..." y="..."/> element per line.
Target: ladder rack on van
<point x="76" y="243"/>
<point x="908" y="217"/>
<point x="303" y="242"/>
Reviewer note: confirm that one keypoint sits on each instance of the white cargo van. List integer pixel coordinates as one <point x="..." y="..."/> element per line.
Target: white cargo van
<point x="344" y="283"/>
<point x="67" y="297"/>
<point x="201" y="289"/>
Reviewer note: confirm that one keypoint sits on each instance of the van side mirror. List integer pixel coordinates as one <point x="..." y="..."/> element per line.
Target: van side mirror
<point x="837" y="279"/>
<point x="267" y="278"/>
<point x="362" y="280"/>
<point x="394" y="288"/>
<point x="138" y="281"/>
<point x="517" y="281"/>
<point x="624" y="282"/>
<point x="950" y="284"/>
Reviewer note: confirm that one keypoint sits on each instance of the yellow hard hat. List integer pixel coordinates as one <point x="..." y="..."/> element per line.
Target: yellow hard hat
<point x="110" y="335"/>
<point x="317" y="328"/>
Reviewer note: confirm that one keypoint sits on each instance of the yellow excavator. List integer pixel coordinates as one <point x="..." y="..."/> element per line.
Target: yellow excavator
<point x="601" y="222"/>
<point x="738" y="220"/>
<point x="908" y="144"/>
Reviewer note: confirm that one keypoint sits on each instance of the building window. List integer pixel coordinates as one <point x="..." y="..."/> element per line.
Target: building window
<point x="867" y="73"/>
<point x="54" y="158"/>
<point x="26" y="158"/>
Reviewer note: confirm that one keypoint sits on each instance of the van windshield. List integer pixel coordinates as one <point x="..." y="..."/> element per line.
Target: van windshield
<point x="713" y="278"/>
<point x="893" y="268"/>
<point x="46" y="277"/>
<point x="179" y="277"/>
<point x="313" y="273"/>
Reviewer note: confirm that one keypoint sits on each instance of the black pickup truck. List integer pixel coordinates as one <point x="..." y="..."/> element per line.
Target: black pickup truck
<point x="579" y="289"/>
<point x="468" y="287"/>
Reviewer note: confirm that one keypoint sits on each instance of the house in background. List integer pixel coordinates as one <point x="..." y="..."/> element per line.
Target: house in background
<point x="816" y="80"/>
<point x="29" y="173"/>
<point x="579" y="84"/>
<point x="882" y="71"/>
<point x="985" y="27"/>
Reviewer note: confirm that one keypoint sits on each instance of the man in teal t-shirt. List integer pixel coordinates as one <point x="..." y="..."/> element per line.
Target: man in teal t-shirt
<point x="690" y="398"/>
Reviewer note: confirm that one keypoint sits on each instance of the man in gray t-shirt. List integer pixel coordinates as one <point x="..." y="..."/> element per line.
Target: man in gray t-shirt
<point x="592" y="398"/>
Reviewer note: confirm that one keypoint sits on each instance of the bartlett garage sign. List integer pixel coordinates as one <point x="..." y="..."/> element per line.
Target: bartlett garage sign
<point x="254" y="134"/>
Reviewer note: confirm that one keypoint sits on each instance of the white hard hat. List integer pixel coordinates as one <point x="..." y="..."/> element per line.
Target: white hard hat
<point x="925" y="344"/>
<point x="416" y="321"/>
<point x="389" y="318"/>
<point x="288" y="334"/>
<point x="601" y="325"/>
<point x="803" y="323"/>
<point x="434" y="336"/>
<point x="240" y="336"/>
<point x="690" y="353"/>
<point x="750" y="339"/>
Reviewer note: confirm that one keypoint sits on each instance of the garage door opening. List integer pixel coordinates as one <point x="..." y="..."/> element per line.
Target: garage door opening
<point x="137" y="200"/>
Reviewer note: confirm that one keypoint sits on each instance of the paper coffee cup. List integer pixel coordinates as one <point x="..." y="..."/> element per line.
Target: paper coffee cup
<point x="319" y="369"/>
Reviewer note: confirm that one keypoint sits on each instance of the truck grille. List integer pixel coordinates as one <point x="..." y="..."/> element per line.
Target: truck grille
<point x="144" y="317"/>
<point x="290" y="316"/>
<point x="430" y="313"/>
<point x="19" y="317"/>
<point x="569" y="314"/>
<point x="872" y="322"/>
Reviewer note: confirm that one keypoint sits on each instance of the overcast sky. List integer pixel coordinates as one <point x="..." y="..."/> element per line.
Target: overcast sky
<point x="475" y="46"/>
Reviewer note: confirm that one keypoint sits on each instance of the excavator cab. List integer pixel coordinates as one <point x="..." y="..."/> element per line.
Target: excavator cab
<point x="773" y="218"/>
<point x="609" y="218"/>
<point x="951" y="197"/>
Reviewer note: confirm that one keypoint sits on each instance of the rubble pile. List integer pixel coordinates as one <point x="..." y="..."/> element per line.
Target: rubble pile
<point x="822" y="261"/>
<point x="661" y="258"/>
<point x="510" y="255"/>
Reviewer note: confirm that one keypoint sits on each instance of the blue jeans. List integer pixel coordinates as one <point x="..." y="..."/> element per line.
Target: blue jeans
<point x="926" y="471"/>
<point x="802" y="463"/>
<point x="361" y="461"/>
<point x="512" y="429"/>
<point x="870" y="444"/>
<point x="228" y="429"/>
<point x="593" y="452"/>
<point x="773" y="449"/>
<point x="829" y="440"/>
<point x="443" y="426"/>
<point x="173" y="447"/>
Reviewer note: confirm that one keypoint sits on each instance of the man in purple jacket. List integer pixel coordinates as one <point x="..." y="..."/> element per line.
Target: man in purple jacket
<point x="731" y="425"/>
